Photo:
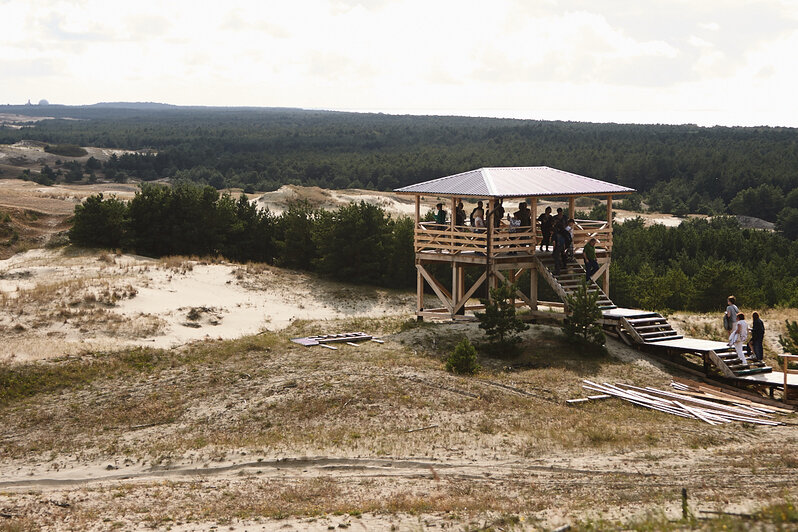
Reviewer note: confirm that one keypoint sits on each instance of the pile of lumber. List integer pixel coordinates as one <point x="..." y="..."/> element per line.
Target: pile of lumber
<point x="324" y="340"/>
<point x="715" y="408"/>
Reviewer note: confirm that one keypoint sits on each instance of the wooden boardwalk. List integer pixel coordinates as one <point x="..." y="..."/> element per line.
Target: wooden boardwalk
<point x="716" y="354"/>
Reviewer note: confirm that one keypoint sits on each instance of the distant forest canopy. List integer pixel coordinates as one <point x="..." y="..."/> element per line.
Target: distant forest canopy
<point x="677" y="169"/>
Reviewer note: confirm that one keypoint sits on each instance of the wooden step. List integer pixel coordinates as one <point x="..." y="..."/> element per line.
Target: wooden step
<point x="753" y="371"/>
<point x="655" y="326"/>
<point x="647" y="320"/>
<point x="656" y="333"/>
<point x="663" y="338"/>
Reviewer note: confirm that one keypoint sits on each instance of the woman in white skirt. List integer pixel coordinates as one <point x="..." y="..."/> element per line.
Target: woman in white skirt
<point x="739" y="336"/>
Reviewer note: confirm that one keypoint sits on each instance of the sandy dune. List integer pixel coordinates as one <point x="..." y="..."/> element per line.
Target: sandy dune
<point x="54" y="304"/>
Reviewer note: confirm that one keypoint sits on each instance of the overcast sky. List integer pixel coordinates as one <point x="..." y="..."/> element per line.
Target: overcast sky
<point x="669" y="61"/>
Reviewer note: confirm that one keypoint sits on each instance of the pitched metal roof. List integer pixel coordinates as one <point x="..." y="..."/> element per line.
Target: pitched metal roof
<point x="527" y="181"/>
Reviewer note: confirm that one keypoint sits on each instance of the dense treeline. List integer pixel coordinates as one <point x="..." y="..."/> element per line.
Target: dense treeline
<point x="693" y="266"/>
<point x="356" y="243"/>
<point x="678" y="169"/>
<point x="696" y="265"/>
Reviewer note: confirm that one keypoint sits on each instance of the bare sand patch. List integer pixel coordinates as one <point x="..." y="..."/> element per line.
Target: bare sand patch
<point x="53" y="303"/>
<point x="58" y="199"/>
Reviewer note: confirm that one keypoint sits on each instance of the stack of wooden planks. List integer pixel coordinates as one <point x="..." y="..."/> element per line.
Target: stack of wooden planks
<point x="714" y="408"/>
<point x="324" y="340"/>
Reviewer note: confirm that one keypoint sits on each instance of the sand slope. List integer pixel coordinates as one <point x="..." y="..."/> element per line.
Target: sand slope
<point x="53" y="303"/>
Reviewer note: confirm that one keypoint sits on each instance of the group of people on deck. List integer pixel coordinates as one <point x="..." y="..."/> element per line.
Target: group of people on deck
<point x="556" y="230"/>
<point x="738" y="330"/>
<point x="520" y="218"/>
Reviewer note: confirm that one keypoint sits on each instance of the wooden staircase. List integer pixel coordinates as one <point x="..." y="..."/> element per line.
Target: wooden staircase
<point x="645" y="327"/>
<point x="569" y="279"/>
<point x="730" y="365"/>
<point x="649" y="327"/>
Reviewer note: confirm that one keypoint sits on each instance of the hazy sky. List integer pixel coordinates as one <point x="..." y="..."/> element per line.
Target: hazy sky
<point x="670" y="61"/>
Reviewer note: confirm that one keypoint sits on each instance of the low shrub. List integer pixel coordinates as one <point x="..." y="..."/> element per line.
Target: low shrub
<point x="463" y="360"/>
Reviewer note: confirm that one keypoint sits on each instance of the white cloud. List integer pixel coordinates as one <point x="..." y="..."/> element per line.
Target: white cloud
<point x="595" y="57"/>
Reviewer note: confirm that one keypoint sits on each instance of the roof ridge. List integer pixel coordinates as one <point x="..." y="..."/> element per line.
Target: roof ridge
<point x="486" y="175"/>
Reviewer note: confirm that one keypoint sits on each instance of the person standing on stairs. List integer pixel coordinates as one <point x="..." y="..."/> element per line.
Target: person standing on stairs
<point x="560" y="248"/>
<point x="589" y="256"/>
<point x="739" y="336"/>
<point x="730" y="318"/>
<point x="757" y="336"/>
<point x="569" y="229"/>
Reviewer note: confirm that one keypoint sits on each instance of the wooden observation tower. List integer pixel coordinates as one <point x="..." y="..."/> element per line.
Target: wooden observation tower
<point x="499" y="252"/>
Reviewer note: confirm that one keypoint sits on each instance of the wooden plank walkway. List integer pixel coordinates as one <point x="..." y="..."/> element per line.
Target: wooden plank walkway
<point x="653" y="330"/>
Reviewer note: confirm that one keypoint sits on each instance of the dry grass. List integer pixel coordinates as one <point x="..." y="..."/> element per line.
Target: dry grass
<point x="178" y="263"/>
<point x="83" y="304"/>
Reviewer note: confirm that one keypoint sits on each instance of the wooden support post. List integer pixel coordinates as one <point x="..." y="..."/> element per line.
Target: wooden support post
<point x="511" y="275"/>
<point x="419" y="291"/>
<point x="533" y="287"/>
<point x="534" y="208"/>
<point x="418" y="209"/>
<point x="489" y="267"/>
<point x="609" y="211"/>
<point x="455" y="286"/>
<point x="459" y="289"/>
<point x="572" y="207"/>
<point x="606" y="286"/>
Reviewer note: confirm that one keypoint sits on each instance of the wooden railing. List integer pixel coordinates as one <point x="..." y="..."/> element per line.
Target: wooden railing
<point x="441" y="238"/>
<point x="587" y="229"/>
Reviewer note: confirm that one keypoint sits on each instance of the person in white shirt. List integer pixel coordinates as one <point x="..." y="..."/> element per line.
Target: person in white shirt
<point x="739" y="336"/>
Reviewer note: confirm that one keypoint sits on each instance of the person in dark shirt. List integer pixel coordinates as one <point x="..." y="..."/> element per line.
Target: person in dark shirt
<point x="498" y="214"/>
<point x="589" y="256"/>
<point x="459" y="214"/>
<point x="546" y="220"/>
<point x="524" y="214"/>
<point x="757" y="336"/>
<point x="558" y="222"/>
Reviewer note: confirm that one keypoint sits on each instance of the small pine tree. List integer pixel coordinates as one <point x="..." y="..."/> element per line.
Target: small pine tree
<point x="582" y="323"/>
<point x="463" y="359"/>
<point x="499" y="321"/>
<point x="790" y="342"/>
